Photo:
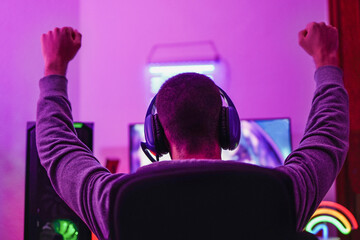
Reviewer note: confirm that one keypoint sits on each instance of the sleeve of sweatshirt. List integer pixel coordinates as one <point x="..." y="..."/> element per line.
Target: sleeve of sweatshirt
<point x="314" y="165"/>
<point x="74" y="172"/>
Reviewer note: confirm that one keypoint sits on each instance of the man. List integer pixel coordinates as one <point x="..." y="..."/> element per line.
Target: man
<point x="84" y="184"/>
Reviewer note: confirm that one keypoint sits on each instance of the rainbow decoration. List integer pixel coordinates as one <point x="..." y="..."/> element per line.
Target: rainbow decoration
<point x="334" y="213"/>
<point x="93" y="236"/>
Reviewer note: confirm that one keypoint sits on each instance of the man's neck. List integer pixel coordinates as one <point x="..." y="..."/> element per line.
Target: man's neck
<point x="214" y="154"/>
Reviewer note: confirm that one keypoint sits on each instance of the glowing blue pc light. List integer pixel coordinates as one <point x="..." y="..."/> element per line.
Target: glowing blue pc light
<point x="181" y="68"/>
<point x="160" y="73"/>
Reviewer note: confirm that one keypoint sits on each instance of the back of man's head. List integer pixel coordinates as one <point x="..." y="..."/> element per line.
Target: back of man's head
<point x="188" y="106"/>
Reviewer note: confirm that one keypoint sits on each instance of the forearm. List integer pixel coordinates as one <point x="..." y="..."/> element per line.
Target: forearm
<point x="314" y="165"/>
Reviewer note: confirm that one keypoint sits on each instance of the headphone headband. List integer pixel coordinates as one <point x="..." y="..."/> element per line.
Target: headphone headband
<point x="151" y="106"/>
<point x="227" y="98"/>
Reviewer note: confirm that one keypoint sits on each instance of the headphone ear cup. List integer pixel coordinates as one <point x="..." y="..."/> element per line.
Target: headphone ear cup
<point x="234" y="128"/>
<point x="224" y="128"/>
<point x="161" y="143"/>
<point x="149" y="133"/>
<point x="229" y="134"/>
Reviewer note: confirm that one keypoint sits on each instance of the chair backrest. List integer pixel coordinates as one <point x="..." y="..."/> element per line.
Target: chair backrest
<point x="203" y="200"/>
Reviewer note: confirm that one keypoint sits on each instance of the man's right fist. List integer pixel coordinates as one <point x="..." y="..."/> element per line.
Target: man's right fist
<point x="321" y="42"/>
<point x="59" y="47"/>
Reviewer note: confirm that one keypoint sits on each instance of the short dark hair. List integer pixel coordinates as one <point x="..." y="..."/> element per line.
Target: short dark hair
<point x="188" y="107"/>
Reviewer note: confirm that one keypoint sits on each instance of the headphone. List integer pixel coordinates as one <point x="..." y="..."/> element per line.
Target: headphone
<point x="156" y="142"/>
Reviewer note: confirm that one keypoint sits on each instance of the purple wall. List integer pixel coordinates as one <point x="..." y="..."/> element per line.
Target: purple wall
<point x="269" y="75"/>
<point x="21" y="66"/>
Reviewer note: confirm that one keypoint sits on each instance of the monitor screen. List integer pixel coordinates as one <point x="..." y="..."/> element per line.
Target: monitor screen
<point x="264" y="142"/>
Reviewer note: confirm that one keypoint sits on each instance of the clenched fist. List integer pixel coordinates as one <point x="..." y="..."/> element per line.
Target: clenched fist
<point x="59" y="46"/>
<point x="320" y="41"/>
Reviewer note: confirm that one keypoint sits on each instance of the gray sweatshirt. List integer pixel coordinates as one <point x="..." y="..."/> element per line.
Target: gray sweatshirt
<point x="84" y="184"/>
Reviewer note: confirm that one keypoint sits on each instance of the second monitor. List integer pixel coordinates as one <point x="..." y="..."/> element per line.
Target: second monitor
<point x="264" y="142"/>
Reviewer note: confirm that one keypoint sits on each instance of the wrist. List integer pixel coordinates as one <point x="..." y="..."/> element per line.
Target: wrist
<point x="326" y="60"/>
<point x="55" y="68"/>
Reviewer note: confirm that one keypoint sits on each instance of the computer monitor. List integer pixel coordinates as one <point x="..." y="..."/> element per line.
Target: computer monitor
<point x="264" y="142"/>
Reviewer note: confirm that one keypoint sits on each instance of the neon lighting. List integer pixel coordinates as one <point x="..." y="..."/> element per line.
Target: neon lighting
<point x="322" y="227"/>
<point x="329" y="219"/>
<point x="78" y="125"/>
<point x="332" y="212"/>
<point x="343" y="209"/>
<point x="156" y="83"/>
<point x="93" y="237"/>
<point x="181" y="68"/>
<point x="160" y="73"/>
<point x="335" y="214"/>
<point x="66" y="228"/>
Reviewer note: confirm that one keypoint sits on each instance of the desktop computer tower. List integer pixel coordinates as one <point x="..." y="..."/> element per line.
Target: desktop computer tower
<point x="47" y="217"/>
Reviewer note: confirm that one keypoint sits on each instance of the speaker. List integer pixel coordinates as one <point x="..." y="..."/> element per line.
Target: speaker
<point x="47" y="217"/>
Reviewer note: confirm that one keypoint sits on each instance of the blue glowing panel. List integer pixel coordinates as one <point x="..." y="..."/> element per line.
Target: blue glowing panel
<point x="265" y="142"/>
<point x="159" y="73"/>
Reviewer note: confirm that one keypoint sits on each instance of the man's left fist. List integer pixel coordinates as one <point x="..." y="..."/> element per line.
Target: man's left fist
<point x="59" y="47"/>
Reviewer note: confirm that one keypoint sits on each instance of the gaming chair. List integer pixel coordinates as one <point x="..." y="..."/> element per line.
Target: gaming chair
<point x="204" y="200"/>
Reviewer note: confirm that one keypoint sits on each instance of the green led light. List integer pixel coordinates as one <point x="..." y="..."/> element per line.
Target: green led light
<point x="332" y="220"/>
<point x="78" y="125"/>
<point x="66" y="228"/>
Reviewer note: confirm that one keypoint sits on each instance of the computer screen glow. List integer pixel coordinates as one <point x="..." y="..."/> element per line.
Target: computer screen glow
<point x="160" y="72"/>
<point x="265" y="142"/>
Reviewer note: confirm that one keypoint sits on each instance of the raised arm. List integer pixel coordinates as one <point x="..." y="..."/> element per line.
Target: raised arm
<point x="74" y="172"/>
<point x="314" y="165"/>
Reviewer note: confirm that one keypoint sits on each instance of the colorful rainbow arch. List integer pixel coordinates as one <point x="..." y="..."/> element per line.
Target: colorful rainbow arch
<point x="334" y="213"/>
